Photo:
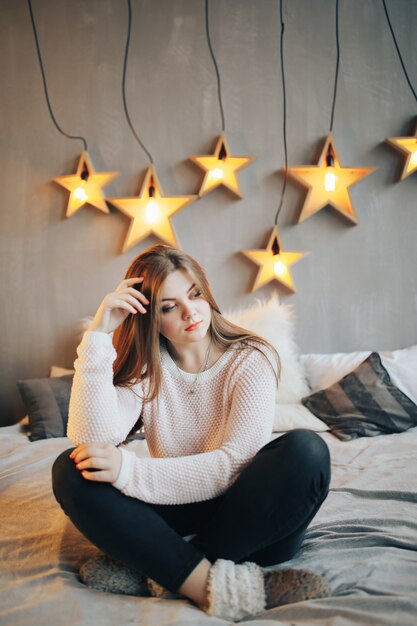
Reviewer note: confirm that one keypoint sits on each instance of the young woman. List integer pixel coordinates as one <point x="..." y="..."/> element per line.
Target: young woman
<point x="216" y="499"/>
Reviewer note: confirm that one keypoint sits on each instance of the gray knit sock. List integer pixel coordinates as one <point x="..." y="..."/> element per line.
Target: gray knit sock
<point x="286" y="586"/>
<point x="105" y="574"/>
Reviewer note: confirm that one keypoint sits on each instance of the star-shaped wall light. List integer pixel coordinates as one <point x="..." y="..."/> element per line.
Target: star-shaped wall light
<point x="150" y="212"/>
<point x="328" y="183"/>
<point x="408" y="147"/>
<point x="221" y="168"/>
<point x="85" y="186"/>
<point x="274" y="263"/>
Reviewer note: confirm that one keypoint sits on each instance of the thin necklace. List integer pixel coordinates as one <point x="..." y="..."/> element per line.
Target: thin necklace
<point x="203" y="366"/>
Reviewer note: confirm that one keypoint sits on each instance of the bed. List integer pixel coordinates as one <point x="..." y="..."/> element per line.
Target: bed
<point x="363" y="540"/>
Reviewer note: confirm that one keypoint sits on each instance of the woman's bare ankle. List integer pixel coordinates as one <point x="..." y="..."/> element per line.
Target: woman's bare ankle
<point x="195" y="585"/>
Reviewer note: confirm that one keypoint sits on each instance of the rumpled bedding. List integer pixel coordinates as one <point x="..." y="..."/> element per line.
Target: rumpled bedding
<point x="363" y="540"/>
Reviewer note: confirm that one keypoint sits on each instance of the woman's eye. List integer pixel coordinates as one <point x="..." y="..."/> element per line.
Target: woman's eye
<point x="197" y="294"/>
<point x="167" y="309"/>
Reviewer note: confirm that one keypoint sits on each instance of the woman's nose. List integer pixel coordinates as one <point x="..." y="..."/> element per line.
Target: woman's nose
<point x="187" y="311"/>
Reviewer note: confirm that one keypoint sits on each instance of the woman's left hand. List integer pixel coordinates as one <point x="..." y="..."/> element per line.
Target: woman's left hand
<point x="105" y="458"/>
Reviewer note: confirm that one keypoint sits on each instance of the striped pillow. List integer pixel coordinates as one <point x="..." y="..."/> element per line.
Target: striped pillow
<point x="364" y="403"/>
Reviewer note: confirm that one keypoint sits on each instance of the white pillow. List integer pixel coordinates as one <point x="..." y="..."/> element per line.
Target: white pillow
<point x="275" y="323"/>
<point x="401" y="365"/>
<point x="323" y="370"/>
<point x="289" y="416"/>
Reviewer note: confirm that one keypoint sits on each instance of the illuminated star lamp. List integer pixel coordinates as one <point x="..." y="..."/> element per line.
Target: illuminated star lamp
<point x="408" y="147"/>
<point x="274" y="263"/>
<point x="327" y="183"/>
<point x="221" y="168"/>
<point x="85" y="186"/>
<point x="150" y="212"/>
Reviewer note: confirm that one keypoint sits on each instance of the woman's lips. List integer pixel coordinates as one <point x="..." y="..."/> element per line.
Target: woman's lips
<point x="193" y="326"/>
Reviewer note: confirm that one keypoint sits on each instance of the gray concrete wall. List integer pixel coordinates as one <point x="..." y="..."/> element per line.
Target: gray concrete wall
<point x="356" y="289"/>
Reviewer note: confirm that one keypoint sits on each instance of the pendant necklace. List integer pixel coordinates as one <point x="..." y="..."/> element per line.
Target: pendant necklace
<point x="202" y="368"/>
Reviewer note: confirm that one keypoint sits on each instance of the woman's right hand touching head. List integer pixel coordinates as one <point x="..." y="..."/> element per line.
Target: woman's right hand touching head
<point x="116" y="306"/>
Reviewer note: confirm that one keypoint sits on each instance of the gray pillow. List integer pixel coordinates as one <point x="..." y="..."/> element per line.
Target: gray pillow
<point x="47" y="402"/>
<point x="364" y="403"/>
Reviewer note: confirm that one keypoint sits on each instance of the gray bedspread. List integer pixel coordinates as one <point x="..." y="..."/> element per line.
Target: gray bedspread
<point x="364" y="541"/>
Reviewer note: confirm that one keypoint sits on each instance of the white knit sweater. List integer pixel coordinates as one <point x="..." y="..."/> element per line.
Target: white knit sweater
<point x="198" y="443"/>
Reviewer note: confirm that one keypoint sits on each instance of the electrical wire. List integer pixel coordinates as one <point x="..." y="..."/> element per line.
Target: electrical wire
<point x="129" y="27"/>
<point x="216" y="67"/>
<point x="398" y="50"/>
<point x="337" y="66"/>
<point x="284" y="115"/>
<point x="45" y="88"/>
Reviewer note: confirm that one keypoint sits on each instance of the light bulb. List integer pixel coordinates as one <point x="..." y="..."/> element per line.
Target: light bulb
<point x="414" y="157"/>
<point x="80" y="192"/>
<point x="330" y="180"/>
<point x="217" y="173"/>
<point x="279" y="268"/>
<point x="152" y="211"/>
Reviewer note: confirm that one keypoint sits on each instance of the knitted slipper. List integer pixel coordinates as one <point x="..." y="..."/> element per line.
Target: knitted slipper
<point x="286" y="586"/>
<point x="235" y="591"/>
<point x="105" y="574"/>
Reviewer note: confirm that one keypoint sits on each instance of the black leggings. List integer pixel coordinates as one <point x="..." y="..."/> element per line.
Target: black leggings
<point x="262" y="517"/>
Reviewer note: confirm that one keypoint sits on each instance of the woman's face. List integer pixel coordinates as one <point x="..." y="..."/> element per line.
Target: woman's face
<point x="185" y="314"/>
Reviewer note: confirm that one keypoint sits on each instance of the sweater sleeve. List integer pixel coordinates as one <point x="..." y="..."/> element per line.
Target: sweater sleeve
<point x="99" y="410"/>
<point x="197" y="477"/>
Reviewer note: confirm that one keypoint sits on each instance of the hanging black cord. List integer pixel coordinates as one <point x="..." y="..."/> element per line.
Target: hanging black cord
<point x="45" y="88"/>
<point x="336" y="77"/>
<point x="216" y="67"/>
<point x="284" y="117"/>
<point x="129" y="26"/>
<point x="398" y="50"/>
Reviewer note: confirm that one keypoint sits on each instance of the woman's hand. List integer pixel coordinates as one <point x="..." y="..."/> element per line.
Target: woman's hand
<point x="105" y="458"/>
<point x="116" y="306"/>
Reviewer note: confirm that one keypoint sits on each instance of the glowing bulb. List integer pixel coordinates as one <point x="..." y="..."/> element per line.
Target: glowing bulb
<point x="330" y="180"/>
<point x="414" y="157"/>
<point x="80" y="192"/>
<point x="152" y="211"/>
<point x="279" y="268"/>
<point x="217" y="173"/>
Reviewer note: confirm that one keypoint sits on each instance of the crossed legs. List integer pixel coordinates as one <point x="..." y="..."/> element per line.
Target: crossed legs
<point x="262" y="517"/>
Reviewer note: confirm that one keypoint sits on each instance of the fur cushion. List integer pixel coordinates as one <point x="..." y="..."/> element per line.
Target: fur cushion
<point x="275" y="322"/>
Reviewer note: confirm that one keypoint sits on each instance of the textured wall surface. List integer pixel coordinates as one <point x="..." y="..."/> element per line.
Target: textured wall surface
<point x="357" y="288"/>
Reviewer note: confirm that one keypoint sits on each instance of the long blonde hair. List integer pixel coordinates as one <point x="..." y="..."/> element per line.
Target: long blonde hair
<point x="137" y="340"/>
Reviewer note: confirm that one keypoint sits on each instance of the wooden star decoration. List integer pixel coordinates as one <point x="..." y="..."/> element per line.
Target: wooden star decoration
<point x="221" y="168"/>
<point x="274" y="263"/>
<point x="337" y="195"/>
<point x="85" y="186"/>
<point x="150" y="212"/>
<point x="408" y="147"/>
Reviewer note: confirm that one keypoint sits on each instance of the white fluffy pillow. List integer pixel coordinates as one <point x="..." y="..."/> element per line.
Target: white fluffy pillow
<point x="274" y="322"/>
<point x="323" y="370"/>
